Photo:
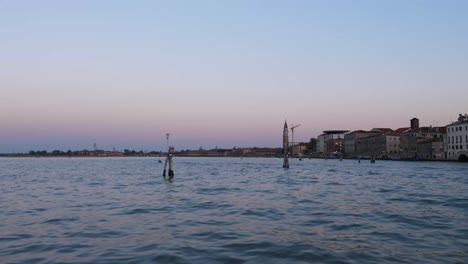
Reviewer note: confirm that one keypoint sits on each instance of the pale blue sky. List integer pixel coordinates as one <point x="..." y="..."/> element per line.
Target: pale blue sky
<point x="225" y="73"/>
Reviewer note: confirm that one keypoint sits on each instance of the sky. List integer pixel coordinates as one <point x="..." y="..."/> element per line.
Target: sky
<point x="122" y="74"/>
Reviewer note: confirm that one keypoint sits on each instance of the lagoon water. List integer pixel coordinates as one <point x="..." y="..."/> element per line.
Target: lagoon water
<point x="232" y="210"/>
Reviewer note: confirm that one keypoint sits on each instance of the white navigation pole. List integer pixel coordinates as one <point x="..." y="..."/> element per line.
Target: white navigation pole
<point x="168" y="159"/>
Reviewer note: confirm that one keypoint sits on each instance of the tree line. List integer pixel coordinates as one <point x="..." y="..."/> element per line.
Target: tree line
<point x="126" y="152"/>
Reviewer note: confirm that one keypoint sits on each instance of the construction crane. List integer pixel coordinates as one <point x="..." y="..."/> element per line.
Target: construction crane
<point x="292" y="132"/>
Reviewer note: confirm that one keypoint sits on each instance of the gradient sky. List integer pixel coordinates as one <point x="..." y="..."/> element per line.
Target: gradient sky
<point x="224" y="73"/>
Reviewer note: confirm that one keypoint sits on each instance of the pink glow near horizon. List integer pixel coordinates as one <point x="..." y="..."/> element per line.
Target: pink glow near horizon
<point x="227" y="75"/>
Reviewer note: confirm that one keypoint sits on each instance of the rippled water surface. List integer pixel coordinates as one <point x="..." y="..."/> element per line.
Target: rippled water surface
<point x="223" y="210"/>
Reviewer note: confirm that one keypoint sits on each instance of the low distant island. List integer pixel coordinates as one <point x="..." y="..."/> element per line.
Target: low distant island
<point x="263" y="152"/>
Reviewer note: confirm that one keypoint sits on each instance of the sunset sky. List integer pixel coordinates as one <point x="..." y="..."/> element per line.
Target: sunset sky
<point x="224" y="73"/>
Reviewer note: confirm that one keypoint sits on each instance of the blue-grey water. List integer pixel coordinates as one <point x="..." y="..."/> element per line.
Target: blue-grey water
<point x="232" y="210"/>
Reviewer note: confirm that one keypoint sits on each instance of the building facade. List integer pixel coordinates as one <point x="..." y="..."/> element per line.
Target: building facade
<point x="369" y="146"/>
<point x="457" y="139"/>
<point x="333" y="142"/>
<point x="321" y="144"/>
<point x="350" y="142"/>
<point x="393" y="144"/>
<point x="409" y="140"/>
<point x="298" y="149"/>
<point x="430" y="149"/>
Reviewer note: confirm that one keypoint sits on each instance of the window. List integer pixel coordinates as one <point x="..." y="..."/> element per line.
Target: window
<point x="449" y="140"/>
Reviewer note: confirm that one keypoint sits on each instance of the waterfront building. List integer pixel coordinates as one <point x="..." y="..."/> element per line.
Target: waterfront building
<point x="393" y="144"/>
<point x="350" y="140"/>
<point x="380" y="143"/>
<point x="457" y="139"/>
<point x="334" y="142"/>
<point x="430" y="149"/>
<point x="320" y="148"/>
<point x="298" y="148"/>
<point x="409" y="140"/>
<point x="369" y="145"/>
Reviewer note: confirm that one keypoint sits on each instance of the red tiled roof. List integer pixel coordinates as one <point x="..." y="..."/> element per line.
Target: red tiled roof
<point x="383" y="130"/>
<point x="370" y="136"/>
<point x="398" y="131"/>
<point x="361" y="131"/>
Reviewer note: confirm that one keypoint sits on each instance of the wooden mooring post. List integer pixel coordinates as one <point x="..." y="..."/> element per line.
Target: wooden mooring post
<point x="169" y="162"/>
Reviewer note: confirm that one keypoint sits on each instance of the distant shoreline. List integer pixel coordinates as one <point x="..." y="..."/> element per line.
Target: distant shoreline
<point x="73" y="156"/>
<point x="161" y="157"/>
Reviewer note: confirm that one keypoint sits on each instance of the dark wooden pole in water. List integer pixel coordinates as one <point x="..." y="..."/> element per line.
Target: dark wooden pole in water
<point x="165" y="166"/>
<point x="285" y="146"/>
<point x="169" y="162"/>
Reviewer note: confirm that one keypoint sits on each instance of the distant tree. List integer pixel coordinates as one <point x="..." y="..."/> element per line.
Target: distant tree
<point x="126" y="152"/>
<point x="312" y="145"/>
<point x="32" y="152"/>
<point x="43" y="152"/>
<point x="69" y="152"/>
<point x="56" y="152"/>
